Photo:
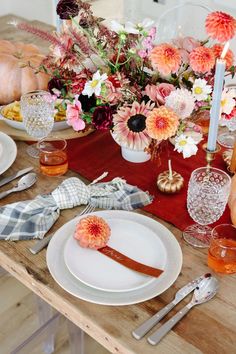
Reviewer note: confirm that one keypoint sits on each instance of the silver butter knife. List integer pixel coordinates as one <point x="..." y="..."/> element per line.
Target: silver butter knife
<point x="15" y="175"/>
<point x="139" y="332"/>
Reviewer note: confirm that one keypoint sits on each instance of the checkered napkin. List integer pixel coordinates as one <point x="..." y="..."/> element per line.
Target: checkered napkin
<point x="33" y="218"/>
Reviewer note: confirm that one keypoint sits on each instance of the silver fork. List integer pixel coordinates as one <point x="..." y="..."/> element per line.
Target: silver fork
<point x="41" y="244"/>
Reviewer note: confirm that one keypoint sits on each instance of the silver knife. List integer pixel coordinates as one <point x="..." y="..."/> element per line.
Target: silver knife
<point x="15" y="175"/>
<point x="139" y="332"/>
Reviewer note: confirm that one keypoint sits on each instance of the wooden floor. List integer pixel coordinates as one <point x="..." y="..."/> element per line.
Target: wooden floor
<point x="18" y="320"/>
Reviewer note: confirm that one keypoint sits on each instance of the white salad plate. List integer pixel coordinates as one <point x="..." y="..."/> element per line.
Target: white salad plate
<point x="8" y="152"/>
<point x="154" y="245"/>
<point x="132" y="239"/>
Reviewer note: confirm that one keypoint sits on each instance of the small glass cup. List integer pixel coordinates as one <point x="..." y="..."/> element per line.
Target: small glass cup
<point x="53" y="156"/>
<point x="222" y="250"/>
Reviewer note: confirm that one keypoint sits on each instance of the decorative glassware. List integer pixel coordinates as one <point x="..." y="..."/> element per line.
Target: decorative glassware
<point x="53" y="156"/>
<point x="222" y="250"/>
<point x="176" y="22"/>
<point x="37" y="109"/>
<point x="208" y="193"/>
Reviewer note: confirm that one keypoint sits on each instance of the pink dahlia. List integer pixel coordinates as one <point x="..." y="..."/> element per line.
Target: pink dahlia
<point x="92" y="232"/>
<point x="229" y="57"/>
<point x="130" y="125"/>
<point x="162" y="123"/>
<point x="202" y="59"/>
<point x="165" y="58"/>
<point x="220" y="26"/>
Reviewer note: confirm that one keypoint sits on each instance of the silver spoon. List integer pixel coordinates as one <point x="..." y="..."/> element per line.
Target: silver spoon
<point x="204" y="292"/>
<point x="25" y="182"/>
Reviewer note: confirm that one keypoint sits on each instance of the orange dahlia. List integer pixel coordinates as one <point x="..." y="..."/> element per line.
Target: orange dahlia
<point x="229" y="57"/>
<point x="165" y="58"/>
<point x="220" y="26"/>
<point x="162" y="123"/>
<point x="202" y="59"/>
<point x="92" y="232"/>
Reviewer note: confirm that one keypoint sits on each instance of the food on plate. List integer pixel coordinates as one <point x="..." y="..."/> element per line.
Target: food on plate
<point x="12" y="111"/>
<point x="17" y="76"/>
<point x="92" y="232"/>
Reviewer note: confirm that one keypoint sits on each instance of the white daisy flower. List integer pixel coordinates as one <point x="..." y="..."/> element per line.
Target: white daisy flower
<point x="201" y="90"/>
<point x="185" y="145"/>
<point x="95" y="85"/>
<point x="228" y="100"/>
<point x="130" y="27"/>
<point x="181" y="101"/>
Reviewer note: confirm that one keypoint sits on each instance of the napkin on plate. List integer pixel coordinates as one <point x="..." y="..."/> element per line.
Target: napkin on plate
<point x="33" y="218"/>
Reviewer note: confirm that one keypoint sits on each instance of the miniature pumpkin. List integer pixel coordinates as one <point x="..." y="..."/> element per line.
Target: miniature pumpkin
<point x="16" y="78"/>
<point x="232" y="200"/>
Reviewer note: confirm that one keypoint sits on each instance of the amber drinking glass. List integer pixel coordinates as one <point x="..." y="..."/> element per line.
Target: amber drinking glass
<point x="222" y="250"/>
<point x="53" y="156"/>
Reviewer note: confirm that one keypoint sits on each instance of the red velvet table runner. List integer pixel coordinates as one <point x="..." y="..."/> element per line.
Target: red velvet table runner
<point x="96" y="153"/>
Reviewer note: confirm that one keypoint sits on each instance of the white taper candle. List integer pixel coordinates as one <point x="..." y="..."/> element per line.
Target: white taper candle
<point x="216" y="100"/>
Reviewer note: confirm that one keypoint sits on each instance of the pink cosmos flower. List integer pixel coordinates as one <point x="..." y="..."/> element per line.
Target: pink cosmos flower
<point x="73" y="115"/>
<point x="165" y="58"/>
<point x="158" y="93"/>
<point x="202" y="59"/>
<point x="220" y="26"/>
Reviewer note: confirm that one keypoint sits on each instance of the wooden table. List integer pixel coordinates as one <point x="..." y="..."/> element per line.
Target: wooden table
<point x="209" y="328"/>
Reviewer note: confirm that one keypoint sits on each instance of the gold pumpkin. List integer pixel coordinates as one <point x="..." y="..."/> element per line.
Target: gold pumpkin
<point x="15" y="79"/>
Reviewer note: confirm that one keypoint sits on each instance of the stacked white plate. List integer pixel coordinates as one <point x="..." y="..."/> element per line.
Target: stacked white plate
<point x="8" y="152"/>
<point x="92" y="276"/>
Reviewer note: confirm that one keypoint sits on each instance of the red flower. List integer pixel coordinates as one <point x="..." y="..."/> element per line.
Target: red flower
<point x="220" y="26"/>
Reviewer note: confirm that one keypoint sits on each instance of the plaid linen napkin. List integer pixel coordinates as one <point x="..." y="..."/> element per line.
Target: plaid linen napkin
<point x="32" y="219"/>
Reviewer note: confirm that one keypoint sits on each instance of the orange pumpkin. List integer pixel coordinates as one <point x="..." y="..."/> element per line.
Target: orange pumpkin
<point x="16" y="80"/>
<point x="232" y="200"/>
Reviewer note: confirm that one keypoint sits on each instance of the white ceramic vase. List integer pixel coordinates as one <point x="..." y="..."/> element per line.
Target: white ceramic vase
<point x="136" y="156"/>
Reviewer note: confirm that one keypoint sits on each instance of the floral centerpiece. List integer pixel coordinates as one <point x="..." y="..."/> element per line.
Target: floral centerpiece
<point x="115" y="77"/>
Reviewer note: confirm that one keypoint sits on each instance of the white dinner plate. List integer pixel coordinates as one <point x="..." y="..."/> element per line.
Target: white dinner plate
<point x="101" y="272"/>
<point x="61" y="274"/>
<point x="8" y="152"/>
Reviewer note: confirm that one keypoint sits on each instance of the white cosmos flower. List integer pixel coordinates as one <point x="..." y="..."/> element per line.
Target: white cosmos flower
<point x="201" y="90"/>
<point x="94" y="86"/>
<point x="186" y="145"/>
<point x="130" y="27"/>
<point x="181" y="101"/>
<point x="228" y="100"/>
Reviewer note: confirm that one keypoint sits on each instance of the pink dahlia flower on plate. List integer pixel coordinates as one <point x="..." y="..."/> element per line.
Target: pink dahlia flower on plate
<point x="165" y="58"/>
<point x="92" y="232"/>
<point x="220" y="26"/>
<point x="202" y="59"/>
<point x="130" y="126"/>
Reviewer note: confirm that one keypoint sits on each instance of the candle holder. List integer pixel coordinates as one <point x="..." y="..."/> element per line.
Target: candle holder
<point x="210" y="155"/>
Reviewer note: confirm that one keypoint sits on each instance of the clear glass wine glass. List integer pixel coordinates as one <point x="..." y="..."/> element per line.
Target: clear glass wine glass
<point x="208" y="193"/>
<point x="37" y="109"/>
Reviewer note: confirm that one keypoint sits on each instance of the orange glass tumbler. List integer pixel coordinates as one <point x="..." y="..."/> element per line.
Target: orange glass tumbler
<point x="222" y="250"/>
<point x="53" y="156"/>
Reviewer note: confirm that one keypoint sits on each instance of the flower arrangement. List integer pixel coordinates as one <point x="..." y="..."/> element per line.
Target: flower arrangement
<point x="115" y="77"/>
